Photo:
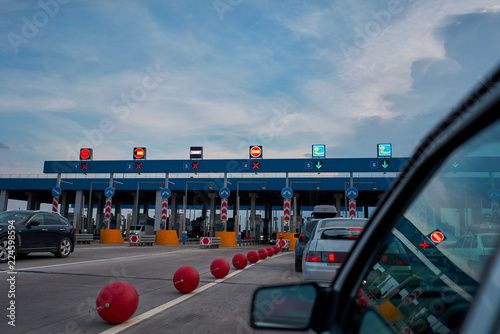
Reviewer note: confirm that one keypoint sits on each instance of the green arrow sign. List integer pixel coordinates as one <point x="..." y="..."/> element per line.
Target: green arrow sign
<point x="385" y="164"/>
<point x="318" y="165"/>
<point x="455" y="164"/>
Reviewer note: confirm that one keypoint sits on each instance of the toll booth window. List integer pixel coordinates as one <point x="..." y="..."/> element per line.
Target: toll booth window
<point x="432" y="264"/>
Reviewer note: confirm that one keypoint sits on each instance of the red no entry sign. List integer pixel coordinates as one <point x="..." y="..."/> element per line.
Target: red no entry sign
<point x="255" y="151"/>
<point x="437" y="237"/>
<point x="139" y="153"/>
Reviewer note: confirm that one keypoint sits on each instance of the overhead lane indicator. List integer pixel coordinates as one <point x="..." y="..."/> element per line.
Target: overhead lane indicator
<point x="384" y="150"/>
<point x="385" y="164"/>
<point x="196" y="152"/>
<point x="319" y="151"/>
<point x="255" y="152"/>
<point x="85" y="154"/>
<point x="139" y="153"/>
<point x="256" y="165"/>
<point x="318" y="165"/>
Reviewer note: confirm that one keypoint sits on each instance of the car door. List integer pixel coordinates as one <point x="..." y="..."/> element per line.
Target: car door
<point x="425" y="297"/>
<point x="32" y="234"/>
<point x="53" y="231"/>
<point x="441" y="195"/>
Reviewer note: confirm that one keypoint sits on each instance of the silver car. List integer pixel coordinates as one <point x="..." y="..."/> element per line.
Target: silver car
<point x="331" y="242"/>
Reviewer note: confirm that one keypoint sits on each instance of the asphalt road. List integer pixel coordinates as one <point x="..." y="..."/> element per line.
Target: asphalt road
<point x="59" y="295"/>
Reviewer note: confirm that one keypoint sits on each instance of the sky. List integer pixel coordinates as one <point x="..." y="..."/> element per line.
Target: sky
<point x="227" y="74"/>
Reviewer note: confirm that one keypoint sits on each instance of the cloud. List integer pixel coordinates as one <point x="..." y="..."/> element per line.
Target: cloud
<point x="4" y="147"/>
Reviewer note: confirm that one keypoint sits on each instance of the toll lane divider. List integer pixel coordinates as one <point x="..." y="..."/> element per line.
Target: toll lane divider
<point x="151" y="313"/>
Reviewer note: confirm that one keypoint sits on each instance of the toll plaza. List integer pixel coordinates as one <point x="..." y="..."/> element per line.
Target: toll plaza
<point x="228" y="192"/>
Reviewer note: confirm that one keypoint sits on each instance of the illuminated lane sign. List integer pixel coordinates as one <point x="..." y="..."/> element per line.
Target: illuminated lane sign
<point x="318" y="151"/>
<point x="255" y="152"/>
<point x="196" y="152"/>
<point x="84" y="166"/>
<point x="85" y="154"/>
<point x="384" y="150"/>
<point x="255" y="165"/>
<point x="138" y="166"/>
<point x="139" y="153"/>
<point x="195" y="165"/>
<point x="385" y="164"/>
<point x="318" y="165"/>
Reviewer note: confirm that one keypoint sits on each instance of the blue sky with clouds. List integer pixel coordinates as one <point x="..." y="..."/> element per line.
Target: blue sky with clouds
<point x="227" y="74"/>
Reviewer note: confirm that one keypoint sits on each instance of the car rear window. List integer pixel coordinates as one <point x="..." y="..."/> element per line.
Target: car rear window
<point x="341" y="233"/>
<point x="489" y="241"/>
<point x="311" y="225"/>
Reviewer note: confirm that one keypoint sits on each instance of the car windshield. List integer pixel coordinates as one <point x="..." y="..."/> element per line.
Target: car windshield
<point x="422" y="283"/>
<point x="18" y="218"/>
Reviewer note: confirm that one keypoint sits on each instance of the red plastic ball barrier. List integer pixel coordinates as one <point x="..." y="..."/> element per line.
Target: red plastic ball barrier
<point x="276" y="249"/>
<point x="117" y="302"/>
<point x="240" y="261"/>
<point x="270" y="251"/>
<point x="186" y="279"/>
<point x="253" y="256"/>
<point x="219" y="268"/>
<point x="263" y="253"/>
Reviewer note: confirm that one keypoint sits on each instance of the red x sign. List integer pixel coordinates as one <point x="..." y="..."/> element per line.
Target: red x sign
<point x="255" y="165"/>
<point x="84" y="166"/>
<point x="138" y="165"/>
<point x="195" y="165"/>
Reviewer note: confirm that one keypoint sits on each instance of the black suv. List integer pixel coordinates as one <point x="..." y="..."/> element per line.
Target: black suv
<point x="35" y="231"/>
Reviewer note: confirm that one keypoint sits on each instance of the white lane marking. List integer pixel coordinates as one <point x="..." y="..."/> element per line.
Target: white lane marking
<point x="131" y="322"/>
<point x="100" y="260"/>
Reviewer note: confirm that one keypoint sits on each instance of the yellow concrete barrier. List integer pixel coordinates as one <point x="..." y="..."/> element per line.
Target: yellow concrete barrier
<point x="290" y="236"/>
<point x="111" y="237"/>
<point x="167" y="237"/>
<point x="227" y="239"/>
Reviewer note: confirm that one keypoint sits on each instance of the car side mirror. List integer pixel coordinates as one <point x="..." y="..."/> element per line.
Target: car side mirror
<point x="33" y="223"/>
<point x="304" y="240"/>
<point x="296" y="235"/>
<point x="286" y="307"/>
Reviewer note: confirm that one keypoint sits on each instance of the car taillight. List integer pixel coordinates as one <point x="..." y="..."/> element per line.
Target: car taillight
<point x="331" y="257"/>
<point x="393" y="260"/>
<point x="303" y="235"/>
<point x="313" y="257"/>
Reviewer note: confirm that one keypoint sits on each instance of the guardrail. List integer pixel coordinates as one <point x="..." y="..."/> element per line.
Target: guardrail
<point x="209" y="242"/>
<point x="142" y="240"/>
<point x="84" y="238"/>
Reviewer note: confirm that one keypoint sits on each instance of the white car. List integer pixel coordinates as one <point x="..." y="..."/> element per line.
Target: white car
<point x="331" y="243"/>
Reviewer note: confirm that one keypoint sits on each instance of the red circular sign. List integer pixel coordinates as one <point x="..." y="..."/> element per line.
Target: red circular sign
<point x="84" y="153"/>
<point x="437" y="237"/>
<point x="134" y="238"/>
<point x="139" y="153"/>
<point x="255" y="151"/>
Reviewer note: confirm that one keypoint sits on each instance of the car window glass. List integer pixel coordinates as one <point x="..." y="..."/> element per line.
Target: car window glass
<point x="17" y="217"/>
<point x="51" y="220"/>
<point x="424" y="281"/>
<point x="38" y="218"/>
<point x="63" y="222"/>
